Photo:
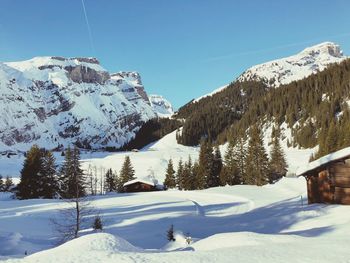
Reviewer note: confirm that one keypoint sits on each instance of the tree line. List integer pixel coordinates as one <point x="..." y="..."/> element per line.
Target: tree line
<point x="42" y="178"/>
<point x="150" y="131"/>
<point x="245" y="162"/>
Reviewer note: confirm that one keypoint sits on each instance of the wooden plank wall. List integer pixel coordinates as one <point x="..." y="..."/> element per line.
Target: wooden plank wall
<point x="340" y="172"/>
<point x="324" y="187"/>
<point x="312" y="189"/>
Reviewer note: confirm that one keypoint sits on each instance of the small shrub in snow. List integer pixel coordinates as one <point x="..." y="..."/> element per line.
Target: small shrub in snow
<point x="170" y="233"/>
<point x="97" y="224"/>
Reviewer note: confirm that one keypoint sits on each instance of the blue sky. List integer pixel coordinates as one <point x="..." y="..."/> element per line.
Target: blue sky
<point x="182" y="48"/>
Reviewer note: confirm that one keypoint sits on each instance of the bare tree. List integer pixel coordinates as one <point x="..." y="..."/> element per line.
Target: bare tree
<point x="102" y="179"/>
<point x="78" y="210"/>
<point x="89" y="177"/>
<point x="73" y="218"/>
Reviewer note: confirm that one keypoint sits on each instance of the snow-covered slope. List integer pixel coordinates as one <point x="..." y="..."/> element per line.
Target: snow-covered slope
<point x="161" y="106"/>
<point x="285" y="70"/>
<point x="56" y="101"/>
<point x="234" y="223"/>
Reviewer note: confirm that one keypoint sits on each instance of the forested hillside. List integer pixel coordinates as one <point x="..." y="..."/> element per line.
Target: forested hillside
<point x="212" y="115"/>
<point x="315" y="108"/>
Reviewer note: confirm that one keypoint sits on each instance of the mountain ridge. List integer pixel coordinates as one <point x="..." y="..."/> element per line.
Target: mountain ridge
<point x="301" y="65"/>
<point x="56" y="101"/>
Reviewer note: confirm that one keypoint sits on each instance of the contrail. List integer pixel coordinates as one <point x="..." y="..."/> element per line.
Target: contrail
<point x="88" y="28"/>
<point x="251" y="52"/>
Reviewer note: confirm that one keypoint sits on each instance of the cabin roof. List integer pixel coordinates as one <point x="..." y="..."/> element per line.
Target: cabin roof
<point x="138" y="180"/>
<point x="332" y="157"/>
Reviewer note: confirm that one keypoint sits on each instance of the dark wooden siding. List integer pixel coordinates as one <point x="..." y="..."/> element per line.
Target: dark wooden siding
<point x="331" y="184"/>
<point x="139" y="187"/>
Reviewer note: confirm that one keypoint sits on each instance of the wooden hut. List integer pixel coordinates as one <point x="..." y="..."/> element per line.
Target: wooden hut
<point x="139" y="185"/>
<point x="328" y="178"/>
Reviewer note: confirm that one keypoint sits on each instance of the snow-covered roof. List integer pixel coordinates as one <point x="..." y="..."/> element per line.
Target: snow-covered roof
<point x="323" y="160"/>
<point x="140" y="180"/>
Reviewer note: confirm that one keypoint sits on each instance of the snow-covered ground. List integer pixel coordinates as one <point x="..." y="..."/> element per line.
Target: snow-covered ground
<point x="241" y="223"/>
<point x="234" y="223"/>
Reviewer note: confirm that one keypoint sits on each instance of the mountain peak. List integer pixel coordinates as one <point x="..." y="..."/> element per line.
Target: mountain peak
<point x="161" y="106"/>
<point x="325" y="48"/>
<point x="285" y="70"/>
<point x="56" y="61"/>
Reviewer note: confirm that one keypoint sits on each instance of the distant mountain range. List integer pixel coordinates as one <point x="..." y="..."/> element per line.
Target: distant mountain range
<point x="55" y="102"/>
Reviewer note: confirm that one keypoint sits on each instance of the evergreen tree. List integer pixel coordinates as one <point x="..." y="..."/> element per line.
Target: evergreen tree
<point x="49" y="183"/>
<point x="30" y="184"/>
<point x="2" y="185"/>
<point x="179" y="175"/>
<point x="170" y="180"/>
<point x="97" y="224"/>
<point x="257" y="163"/>
<point x="278" y="164"/>
<point x="189" y="181"/>
<point x="8" y="184"/>
<point x="38" y="176"/>
<point x="328" y="143"/>
<point x="205" y="176"/>
<point x="111" y="181"/>
<point x="72" y="176"/>
<point x="170" y="233"/>
<point x="239" y="156"/>
<point x="217" y="167"/>
<point x="195" y="170"/>
<point x="127" y="173"/>
<point x="229" y="170"/>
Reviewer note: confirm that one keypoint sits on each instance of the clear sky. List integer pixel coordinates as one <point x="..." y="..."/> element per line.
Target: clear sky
<point x="182" y="48"/>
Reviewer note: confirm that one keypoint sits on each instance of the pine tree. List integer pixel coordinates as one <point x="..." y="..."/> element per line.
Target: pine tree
<point x="170" y="233"/>
<point x="179" y="175"/>
<point x="189" y="181"/>
<point x="8" y="184"/>
<point x="278" y="164"/>
<point x="257" y="163"/>
<point x="195" y="170"/>
<point x="127" y="173"/>
<point x="111" y="181"/>
<point x="205" y="176"/>
<point x="72" y="176"/>
<point x="97" y="224"/>
<point x="229" y="170"/>
<point x="50" y="186"/>
<point x="217" y="167"/>
<point x="328" y="139"/>
<point x="2" y="185"/>
<point x="170" y="180"/>
<point x="29" y="186"/>
<point x="239" y="156"/>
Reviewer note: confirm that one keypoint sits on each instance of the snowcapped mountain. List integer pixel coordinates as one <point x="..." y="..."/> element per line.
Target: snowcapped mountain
<point x="56" y="101"/>
<point x="283" y="71"/>
<point x="161" y="106"/>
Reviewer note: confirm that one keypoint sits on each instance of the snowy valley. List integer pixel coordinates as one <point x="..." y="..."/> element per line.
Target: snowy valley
<point x="56" y="102"/>
<point x="247" y="223"/>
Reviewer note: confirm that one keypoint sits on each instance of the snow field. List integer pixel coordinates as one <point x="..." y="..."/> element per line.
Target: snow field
<point x="247" y="223"/>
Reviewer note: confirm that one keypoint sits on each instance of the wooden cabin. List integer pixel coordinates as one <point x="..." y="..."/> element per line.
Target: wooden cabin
<point x="139" y="185"/>
<point x="328" y="178"/>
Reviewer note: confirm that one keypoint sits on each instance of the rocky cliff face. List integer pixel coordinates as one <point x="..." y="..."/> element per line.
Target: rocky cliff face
<point x="161" y="106"/>
<point x="283" y="71"/>
<point x="56" y="101"/>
